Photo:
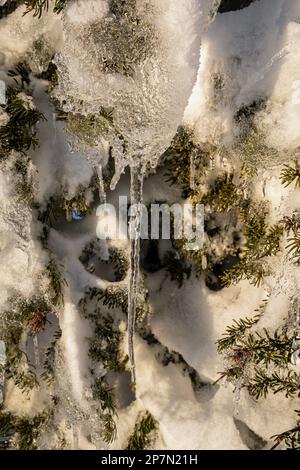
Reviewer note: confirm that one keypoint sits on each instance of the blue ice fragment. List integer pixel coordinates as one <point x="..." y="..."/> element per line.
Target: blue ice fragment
<point x="76" y="215"/>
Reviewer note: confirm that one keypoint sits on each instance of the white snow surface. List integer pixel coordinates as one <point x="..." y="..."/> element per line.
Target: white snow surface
<point x="252" y="54"/>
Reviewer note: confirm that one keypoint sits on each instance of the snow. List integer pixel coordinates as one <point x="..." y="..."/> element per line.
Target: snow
<point x="59" y="167"/>
<point x="184" y="423"/>
<point x="252" y="54"/>
<point x="245" y="56"/>
<point x="21" y="256"/>
<point x="74" y="335"/>
<point x="18" y="33"/>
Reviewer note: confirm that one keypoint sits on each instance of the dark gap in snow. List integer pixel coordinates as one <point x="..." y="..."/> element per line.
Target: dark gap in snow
<point x="9" y="7"/>
<point x="150" y="260"/>
<point x="233" y="5"/>
<point x="213" y="278"/>
<point x="203" y="390"/>
<point x="252" y="440"/>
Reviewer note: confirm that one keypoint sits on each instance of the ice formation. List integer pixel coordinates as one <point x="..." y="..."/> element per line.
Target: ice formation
<point x="145" y="82"/>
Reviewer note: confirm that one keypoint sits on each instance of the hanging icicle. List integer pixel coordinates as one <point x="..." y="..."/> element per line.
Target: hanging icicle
<point x="192" y="171"/>
<point x="136" y="196"/>
<point x="101" y="187"/>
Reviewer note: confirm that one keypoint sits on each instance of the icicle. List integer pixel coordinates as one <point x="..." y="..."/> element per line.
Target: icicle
<point x="102" y="193"/>
<point x="36" y="352"/>
<point x="2" y="92"/>
<point x="136" y="194"/>
<point x="192" y="171"/>
<point x="237" y="395"/>
<point x="295" y="354"/>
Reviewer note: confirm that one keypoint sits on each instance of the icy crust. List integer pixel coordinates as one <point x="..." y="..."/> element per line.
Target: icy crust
<point x="21" y="258"/>
<point x="18" y="34"/>
<point x="146" y="83"/>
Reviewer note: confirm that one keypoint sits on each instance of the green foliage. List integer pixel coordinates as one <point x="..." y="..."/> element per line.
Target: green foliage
<point x="78" y="202"/>
<point x="6" y="429"/>
<point x="120" y="261"/>
<point x="262" y="383"/>
<point x="246" y="113"/>
<point x="223" y="194"/>
<point x="266" y="348"/>
<point x="113" y="297"/>
<point x="144" y="432"/>
<point x="255" y="228"/>
<point x="20" y="131"/>
<point x="118" y="258"/>
<point x="109" y="432"/>
<point x="271" y="241"/>
<point x="57" y="282"/>
<point x="178" y="161"/>
<point x="251" y="270"/>
<point x="291" y="437"/>
<point x="16" y="366"/>
<point x="29" y="307"/>
<point x="20" y="72"/>
<point x="62" y="205"/>
<point x="105" y="395"/>
<point x="294" y="247"/>
<point x="125" y="38"/>
<point x="24" y="181"/>
<point x="25" y="380"/>
<point x="121" y="8"/>
<point x="88" y="129"/>
<point x="226" y="204"/>
<point x="259" y="360"/>
<point x="177" y="267"/>
<point x="59" y="6"/>
<point x="253" y="151"/>
<point x="23" y="431"/>
<point x="28" y="430"/>
<point x="104" y="346"/>
<point x="48" y="366"/>
<point x="26" y="316"/>
<point x="38" y="7"/>
<point x="291" y="223"/>
<point x="261" y="241"/>
<point x="291" y="174"/>
<point x="235" y="332"/>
